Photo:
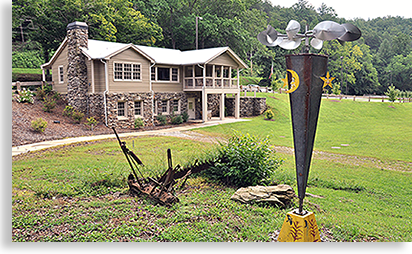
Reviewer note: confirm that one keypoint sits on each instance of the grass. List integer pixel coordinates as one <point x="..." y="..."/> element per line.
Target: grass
<point x="380" y="130"/>
<point x="75" y="193"/>
<point x="26" y="71"/>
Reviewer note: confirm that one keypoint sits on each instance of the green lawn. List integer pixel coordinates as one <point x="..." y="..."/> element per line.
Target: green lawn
<point x="72" y="193"/>
<point x="379" y="129"/>
<point x="26" y="71"/>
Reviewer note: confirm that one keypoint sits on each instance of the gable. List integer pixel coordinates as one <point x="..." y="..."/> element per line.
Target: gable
<point x="225" y="59"/>
<point x="129" y="55"/>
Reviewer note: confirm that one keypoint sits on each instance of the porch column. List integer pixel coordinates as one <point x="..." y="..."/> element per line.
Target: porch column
<point x="204" y="105"/>
<point x="237" y="105"/>
<point x="222" y="106"/>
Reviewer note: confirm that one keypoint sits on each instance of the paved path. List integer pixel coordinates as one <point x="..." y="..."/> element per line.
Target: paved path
<point x="47" y="144"/>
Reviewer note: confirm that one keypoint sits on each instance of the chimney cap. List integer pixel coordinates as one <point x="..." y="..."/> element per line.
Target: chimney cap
<point x="77" y="25"/>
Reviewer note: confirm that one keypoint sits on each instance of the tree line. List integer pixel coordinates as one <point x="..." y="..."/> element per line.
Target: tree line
<point x="382" y="56"/>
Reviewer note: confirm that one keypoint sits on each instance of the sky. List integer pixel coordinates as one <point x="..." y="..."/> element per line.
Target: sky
<point x="365" y="9"/>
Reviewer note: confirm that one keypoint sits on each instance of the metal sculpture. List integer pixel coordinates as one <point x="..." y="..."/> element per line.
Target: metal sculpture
<point x="324" y="31"/>
<point x="160" y="189"/>
<point x="306" y="77"/>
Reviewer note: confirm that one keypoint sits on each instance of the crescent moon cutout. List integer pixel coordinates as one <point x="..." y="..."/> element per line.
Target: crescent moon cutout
<point x="294" y="84"/>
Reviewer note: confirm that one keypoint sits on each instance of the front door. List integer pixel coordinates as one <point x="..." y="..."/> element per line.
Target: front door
<point x="191" y="108"/>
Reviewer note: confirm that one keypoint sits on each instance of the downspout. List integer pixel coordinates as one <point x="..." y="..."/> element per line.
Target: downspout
<point x="107" y="90"/>
<point x="151" y="90"/>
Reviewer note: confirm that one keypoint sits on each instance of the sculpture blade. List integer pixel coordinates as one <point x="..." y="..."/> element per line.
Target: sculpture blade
<point x="268" y="37"/>
<point x="352" y="33"/>
<point x="292" y="29"/>
<point x="290" y="44"/>
<point x="328" y="30"/>
<point x="316" y="43"/>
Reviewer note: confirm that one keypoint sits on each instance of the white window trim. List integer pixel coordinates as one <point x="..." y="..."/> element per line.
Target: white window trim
<point x="167" y="108"/>
<point x="61" y="74"/>
<point x="178" y="106"/>
<point x="170" y="73"/>
<point x="123" y="63"/>
<point x="141" y="110"/>
<point x="125" y="111"/>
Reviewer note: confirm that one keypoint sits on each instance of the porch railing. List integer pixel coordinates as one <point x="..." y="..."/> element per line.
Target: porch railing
<point x="217" y="83"/>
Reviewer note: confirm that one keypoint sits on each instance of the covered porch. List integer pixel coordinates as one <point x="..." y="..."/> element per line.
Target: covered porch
<point x="210" y="76"/>
<point x="213" y="79"/>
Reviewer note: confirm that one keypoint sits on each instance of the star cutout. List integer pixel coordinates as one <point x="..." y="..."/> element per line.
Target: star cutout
<point x="327" y="80"/>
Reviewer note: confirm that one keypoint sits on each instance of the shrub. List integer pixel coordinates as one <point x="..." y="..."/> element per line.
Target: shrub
<point x="25" y="96"/>
<point x="244" y="161"/>
<point x="162" y="119"/>
<point x="138" y="123"/>
<point x="91" y="122"/>
<point x="269" y="114"/>
<point x="39" y="125"/>
<point x="185" y="116"/>
<point x="49" y="104"/>
<point x="68" y="111"/>
<point x="77" y="116"/>
<point x="41" y="93"/>
<point x="177" y="119"/>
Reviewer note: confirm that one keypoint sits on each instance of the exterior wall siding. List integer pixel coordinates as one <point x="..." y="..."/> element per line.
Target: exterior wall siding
<point x="60" y="60"/>
<point x="130" y="56"/>
<point x="224" y="59"/>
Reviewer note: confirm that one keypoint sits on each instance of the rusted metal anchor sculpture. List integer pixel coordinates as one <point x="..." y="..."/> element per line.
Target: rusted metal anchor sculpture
<point x="160" y="189"/>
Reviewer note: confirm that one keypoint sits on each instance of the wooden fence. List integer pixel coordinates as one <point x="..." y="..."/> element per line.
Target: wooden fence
<point x="29" y="85"/>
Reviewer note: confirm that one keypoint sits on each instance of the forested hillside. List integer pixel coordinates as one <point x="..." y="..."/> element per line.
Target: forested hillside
<point x="382" y="55"/>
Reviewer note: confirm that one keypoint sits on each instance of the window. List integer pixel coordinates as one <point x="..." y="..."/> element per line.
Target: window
<point x="226" y="72"/>
<point x="165" y="107"/>
<point x="61" y="77"/>
<point x="163" y="74"/>
<point x="153" y="73"/>
<point x="218" y="71"/>
<point x="127" y="71"/>
<point x="136" y="72"/>
<point x="175" y="106"/>
<point x="175" y="74"/>
<point x="189" y="71"/>
<point x="138" y="106"/>
<point x="118" y="71"/>
<point x="121" y="109"/>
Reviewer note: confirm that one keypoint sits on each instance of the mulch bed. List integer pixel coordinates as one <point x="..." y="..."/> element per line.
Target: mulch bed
<point x="24" y="113"/>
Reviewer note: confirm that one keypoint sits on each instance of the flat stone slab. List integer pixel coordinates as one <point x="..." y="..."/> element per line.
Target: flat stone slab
<point x="279" y="195"/>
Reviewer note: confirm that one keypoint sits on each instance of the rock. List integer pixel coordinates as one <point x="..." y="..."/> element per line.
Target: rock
<point x="279" y="195"/>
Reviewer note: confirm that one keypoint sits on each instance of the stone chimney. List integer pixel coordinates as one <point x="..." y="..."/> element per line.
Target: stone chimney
<point x="77" y="86"/>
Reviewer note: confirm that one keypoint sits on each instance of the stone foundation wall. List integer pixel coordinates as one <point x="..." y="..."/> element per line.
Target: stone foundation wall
<point x="249" y="106"/>
<point x="96" y="107"/>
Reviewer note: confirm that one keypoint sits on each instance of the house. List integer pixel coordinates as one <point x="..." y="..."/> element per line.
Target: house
<point x="120" y="82"/>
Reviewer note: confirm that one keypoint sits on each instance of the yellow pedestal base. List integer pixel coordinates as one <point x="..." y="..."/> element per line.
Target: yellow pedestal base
<point x="299" y="228"/>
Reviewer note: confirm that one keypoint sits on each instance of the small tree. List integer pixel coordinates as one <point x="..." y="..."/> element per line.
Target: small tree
<point x="336" y="89"/>
<point x="392" y="93"/>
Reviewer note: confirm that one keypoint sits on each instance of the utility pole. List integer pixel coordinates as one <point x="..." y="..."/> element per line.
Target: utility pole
<point x="197" y="32"/>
